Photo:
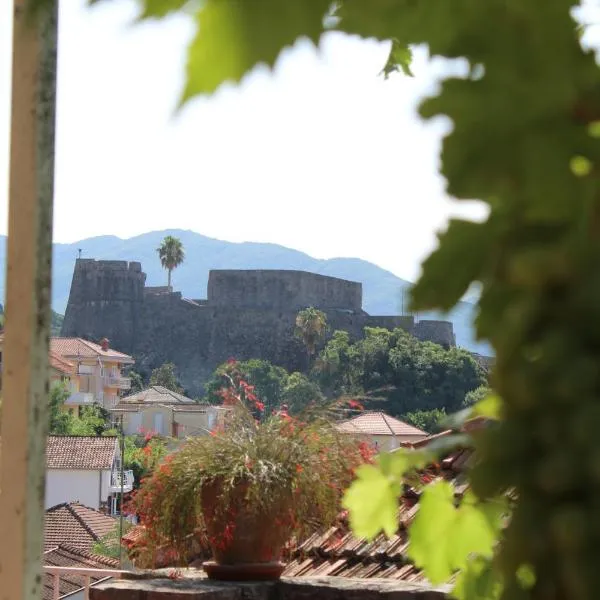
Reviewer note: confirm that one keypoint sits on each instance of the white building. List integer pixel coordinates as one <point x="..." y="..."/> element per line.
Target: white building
<point x="85" y="469"/>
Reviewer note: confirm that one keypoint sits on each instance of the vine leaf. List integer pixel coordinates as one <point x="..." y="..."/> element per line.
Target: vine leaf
<point x="399" y="58"/>
<point x="157" y="9"/>
<point x="443" y="537"/>
<point x="450" y="270"/>
<point x="489" y="407"/>
<point x="372" y="502"/>
<point x="478" y="581"/>
<point x="233" y="36"/>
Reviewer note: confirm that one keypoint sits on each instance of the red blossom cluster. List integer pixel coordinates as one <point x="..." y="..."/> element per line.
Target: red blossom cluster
<point x="239" y="391"/>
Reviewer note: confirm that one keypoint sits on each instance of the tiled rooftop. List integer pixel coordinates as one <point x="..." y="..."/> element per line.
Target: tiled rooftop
<point x="75" y="525"/>
<point x="378" y="423"/>
<point x="80" y="452"/>
<point x="78" y="347"/>
<point x="157" y="394"/>
<point x="57" y="362"/>
<point x="337" y="552"/>
<point x="66" y="556"/>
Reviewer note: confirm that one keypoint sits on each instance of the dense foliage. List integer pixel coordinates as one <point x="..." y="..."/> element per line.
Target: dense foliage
<point x="395" y="372"/>
<point x="142" y="453"/>
<point x="387" y="370"/>
<point x="88" y="420"/>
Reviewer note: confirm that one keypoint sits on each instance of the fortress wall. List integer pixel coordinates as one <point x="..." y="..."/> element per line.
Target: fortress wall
<point x="440" y="332"/>
<point x="406" y="322"/>
<point x="248" y="314"/>
<point x="289" y="290"/>
<point x="103" y="301"/>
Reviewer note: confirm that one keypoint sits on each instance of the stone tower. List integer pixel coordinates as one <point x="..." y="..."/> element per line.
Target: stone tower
<point x="105" y="301"/>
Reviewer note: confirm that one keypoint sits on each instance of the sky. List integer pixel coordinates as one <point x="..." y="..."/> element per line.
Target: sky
<point x="322" y="155"/>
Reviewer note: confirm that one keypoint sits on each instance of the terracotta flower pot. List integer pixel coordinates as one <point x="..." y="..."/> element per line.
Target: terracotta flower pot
<point x="246" y="544"/>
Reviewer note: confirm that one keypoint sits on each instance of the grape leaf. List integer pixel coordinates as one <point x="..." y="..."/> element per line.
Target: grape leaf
<point x="158" y="9"/>
<point x="443" y="537"/>
<point x="463" y="251"/>
<point x="372" y="503"/>
<point x="478" y="581"/>
<point x="233" y="36"/>
<point x="490" y="407"/>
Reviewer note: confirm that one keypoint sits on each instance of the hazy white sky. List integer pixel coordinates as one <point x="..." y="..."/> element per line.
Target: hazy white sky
<point x="321" y="155"/>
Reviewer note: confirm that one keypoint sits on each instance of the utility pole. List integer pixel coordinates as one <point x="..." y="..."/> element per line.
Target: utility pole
<point x="122" y="443"/>
<point x="29" y="255"/>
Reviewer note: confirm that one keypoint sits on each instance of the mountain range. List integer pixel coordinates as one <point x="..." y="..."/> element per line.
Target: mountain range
<point x="382" y="290"/>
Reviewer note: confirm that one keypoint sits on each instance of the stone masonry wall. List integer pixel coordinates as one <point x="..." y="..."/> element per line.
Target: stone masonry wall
<point x="290" y="290"/>
<point x="108" y="299"/>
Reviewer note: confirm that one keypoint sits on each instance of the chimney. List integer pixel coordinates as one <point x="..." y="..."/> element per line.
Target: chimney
<point x="104" y="344"/>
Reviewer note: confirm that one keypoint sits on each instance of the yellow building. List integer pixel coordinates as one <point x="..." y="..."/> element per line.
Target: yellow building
<point x="163" y="412"/>
<point x="385" y="433"/>
<point x="97" y="371"/>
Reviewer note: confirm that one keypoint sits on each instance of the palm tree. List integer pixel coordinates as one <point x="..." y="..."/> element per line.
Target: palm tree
<point x="171" y="254"/>
<point x="311" y="326"/>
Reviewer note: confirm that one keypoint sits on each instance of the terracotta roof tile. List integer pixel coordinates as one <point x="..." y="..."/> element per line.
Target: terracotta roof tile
<point x="80" y="452"/>
<point x="76" y="525"/>
<point x="378" y="423"/>
<point x="338" y="552"/>
<point x="159" y="395"/>
<point x="60" y="364"/>
<point x="78" y="347"/>
<point x="66" y="556"/>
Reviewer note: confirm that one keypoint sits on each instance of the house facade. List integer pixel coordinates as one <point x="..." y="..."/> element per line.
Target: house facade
<point x="85" y="469"/>
<point x="98" y="371"/>
<point x="163" y="412"/>
<point x="384" y="432"/>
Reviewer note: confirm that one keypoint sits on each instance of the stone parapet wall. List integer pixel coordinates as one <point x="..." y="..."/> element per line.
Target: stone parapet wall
<point x="191" y="584"/>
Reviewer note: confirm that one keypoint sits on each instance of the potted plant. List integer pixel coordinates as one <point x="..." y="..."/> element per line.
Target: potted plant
<point x="251" y="487"/>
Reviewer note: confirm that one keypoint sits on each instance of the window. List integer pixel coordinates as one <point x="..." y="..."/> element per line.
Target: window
<point x="158" y="422"/>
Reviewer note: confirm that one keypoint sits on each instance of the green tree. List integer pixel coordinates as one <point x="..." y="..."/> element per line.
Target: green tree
<point x="476" y="395"/>
<point x="396" y="372"/>
<point x="171" y="254"/>
<point x="137" y="382"/>
<point x="142" y="454"/>
<point x="166" y="376"/>
<point x="60" y="420"/>
<point x="334" y="368"/>
<point x="92" y="420"/>
<point x="300" y="392"/>
<point x="311" y="326"/>
<point x="430" y="421"/>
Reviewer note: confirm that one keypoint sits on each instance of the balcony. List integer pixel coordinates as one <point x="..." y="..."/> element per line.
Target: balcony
<point x="71" y="577"/>
<point x="116" y="381"/>
<point x="115" y="481"/>
<point x="78" y="398"/>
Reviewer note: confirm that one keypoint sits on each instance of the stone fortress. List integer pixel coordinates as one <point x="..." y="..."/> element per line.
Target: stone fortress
<point x="247" y="314"/>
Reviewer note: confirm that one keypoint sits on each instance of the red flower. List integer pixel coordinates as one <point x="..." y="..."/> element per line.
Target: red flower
<point x="355" y="404"/>
<point x="299" y="468"/>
